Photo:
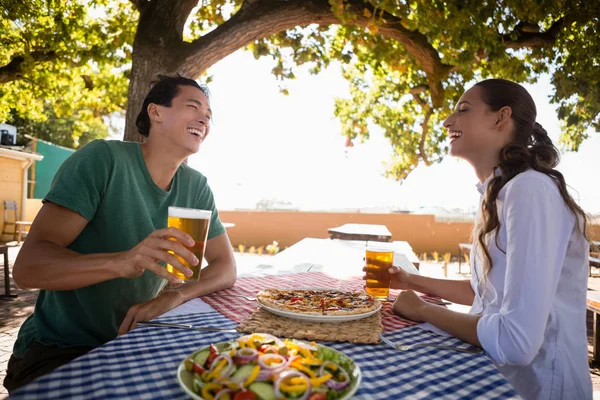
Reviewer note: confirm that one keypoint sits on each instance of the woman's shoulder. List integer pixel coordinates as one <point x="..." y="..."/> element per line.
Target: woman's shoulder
<point x="531" y="184"/>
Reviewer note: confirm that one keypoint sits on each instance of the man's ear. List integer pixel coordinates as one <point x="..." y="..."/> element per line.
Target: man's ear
<point x="154" y="112"/>
<point x="503" y="116"/>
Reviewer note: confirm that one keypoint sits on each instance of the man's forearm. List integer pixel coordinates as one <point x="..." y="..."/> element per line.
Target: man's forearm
<point x="218" y="275"/>
<point x="49" y="266"/>
<point x="456" y="291"/>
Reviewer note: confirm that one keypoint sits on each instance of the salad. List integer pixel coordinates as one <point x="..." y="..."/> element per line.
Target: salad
<point x="264" y="367"/>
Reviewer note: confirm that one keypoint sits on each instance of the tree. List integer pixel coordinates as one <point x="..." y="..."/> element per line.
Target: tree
<point x="407" y="62"/>
<point x="73" y="131"/>
<point x="64" y="65"/>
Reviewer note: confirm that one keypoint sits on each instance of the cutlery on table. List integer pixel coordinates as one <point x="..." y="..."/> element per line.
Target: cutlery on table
<point x="249" y="298"/>
<point x="184" y="326"/>
<point x="417" y="345"/>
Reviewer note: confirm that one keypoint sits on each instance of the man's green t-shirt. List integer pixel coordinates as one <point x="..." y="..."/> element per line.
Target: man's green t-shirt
<point x="107" y="182"/>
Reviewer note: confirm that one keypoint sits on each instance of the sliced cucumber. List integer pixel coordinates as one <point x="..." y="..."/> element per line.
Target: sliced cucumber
<point x="243" y="372"/>
<point x="201" y="357"/>
<point x="197" y="385"/>
<point x="263" y="390"/>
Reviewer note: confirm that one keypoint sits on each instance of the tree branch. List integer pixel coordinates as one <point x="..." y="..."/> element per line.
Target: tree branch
<point x="527" y="37"/>
<point x="13" y="70"/>
<point x="257" y="19"/>
<point x="424" y="133"/>
<point x="139" y="4"/>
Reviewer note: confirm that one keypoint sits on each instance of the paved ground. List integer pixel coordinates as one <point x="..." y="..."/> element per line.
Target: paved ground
<point x="15" y="311"/>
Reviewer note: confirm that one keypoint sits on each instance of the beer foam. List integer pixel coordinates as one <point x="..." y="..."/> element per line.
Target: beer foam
<point x="379" y="249"/>
<point x="192" y="213"/>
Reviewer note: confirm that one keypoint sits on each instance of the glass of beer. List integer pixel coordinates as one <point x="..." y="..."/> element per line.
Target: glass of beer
<point x="195" y="223"/>
<point x="379" y="260"/>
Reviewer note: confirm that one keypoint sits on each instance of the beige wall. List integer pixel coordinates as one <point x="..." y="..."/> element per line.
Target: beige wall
<point x="260" y="228"/>
<point x="11" y="188"/>
<point x="32" y="208"/>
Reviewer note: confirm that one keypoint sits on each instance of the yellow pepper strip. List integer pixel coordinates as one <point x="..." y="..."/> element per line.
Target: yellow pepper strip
<point x="318" y="381"/>
<point x="252" y="376"/>
<point x="302" y="368"/>
<point x="207" y="388"/>
<point x="293" y="388"/>
<point x="232" y="352"/>
<point x="215" y="372"/>
<point x="312" y="361"/>
<point x="331" y="366"/>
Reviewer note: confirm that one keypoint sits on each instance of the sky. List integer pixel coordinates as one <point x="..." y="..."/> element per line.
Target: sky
<point x="264" y="145"/>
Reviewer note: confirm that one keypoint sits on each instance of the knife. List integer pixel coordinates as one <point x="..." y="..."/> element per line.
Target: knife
<point x="183" y="326"/>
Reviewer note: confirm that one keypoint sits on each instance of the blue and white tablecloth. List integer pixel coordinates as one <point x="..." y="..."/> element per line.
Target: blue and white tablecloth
<point x="143" y="364"/>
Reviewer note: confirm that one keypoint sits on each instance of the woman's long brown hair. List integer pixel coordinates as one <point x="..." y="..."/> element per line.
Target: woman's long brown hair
<point x="531" y="149"/>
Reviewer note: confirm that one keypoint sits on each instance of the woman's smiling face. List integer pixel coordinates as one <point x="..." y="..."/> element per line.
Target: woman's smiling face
<point x="470" y="126"/>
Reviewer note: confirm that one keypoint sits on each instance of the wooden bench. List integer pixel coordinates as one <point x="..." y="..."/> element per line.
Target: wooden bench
<point x="594" y="262"/>
<point x="593" y="304"/>
<point x="367" y="232"/>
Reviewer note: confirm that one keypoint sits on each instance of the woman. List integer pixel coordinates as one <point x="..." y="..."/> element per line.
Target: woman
<point x="529" y="258"/>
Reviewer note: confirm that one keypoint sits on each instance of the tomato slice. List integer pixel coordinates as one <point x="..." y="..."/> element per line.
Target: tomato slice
<point x="245" y="395"/>
<point x="214" y="353"/>
<point x="317" y="396"/>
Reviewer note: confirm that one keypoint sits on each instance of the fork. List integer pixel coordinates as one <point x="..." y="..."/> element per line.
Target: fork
<point x="417" y="345"/>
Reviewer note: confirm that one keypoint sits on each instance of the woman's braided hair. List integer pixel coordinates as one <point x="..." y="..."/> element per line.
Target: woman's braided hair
<point x="531" y="149"/>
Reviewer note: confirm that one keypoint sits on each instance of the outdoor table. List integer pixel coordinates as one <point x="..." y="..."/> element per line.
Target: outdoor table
<point x="143" y="363"/>
<point x="361" y="232"/>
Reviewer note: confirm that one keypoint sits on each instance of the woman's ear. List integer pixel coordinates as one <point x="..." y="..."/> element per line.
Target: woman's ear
<point x="154" y="112"/>
<point x="503" y="116"/>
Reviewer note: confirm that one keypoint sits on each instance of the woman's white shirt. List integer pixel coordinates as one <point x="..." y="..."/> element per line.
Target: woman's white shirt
<point x="533" y="301"/>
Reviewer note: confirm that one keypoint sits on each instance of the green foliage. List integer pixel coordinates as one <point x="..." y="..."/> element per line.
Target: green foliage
<point x="74" y="131"/>
<point x="65" y="62"/>
<point x="407" y="62"/>
<point x="473" y="39"/>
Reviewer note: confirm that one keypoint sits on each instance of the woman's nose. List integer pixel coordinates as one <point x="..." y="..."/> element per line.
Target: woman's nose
<point x="447" y="122"/>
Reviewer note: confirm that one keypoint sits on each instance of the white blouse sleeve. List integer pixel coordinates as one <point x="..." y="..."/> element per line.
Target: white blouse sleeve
<point x="538" y="229"/>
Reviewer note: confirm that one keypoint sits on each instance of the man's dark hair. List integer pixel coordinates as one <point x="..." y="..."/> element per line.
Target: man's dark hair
<point x="163" y="91"/>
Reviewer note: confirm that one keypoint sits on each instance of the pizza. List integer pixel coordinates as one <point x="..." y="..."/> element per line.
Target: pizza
<point x="318" y="301"/>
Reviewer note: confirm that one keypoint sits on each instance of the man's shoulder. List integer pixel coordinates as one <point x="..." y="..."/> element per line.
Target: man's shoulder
<point x="120" y="147"/>
<point x="191" y="174"/>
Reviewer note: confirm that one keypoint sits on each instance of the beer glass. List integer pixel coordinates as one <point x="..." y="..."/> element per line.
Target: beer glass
<point x="379" y="260"/>
<point x="195" y="223"/>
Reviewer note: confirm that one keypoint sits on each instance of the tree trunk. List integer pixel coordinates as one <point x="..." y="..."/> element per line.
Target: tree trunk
<point x="142" y="73"/>
<point x="157" y="49"/>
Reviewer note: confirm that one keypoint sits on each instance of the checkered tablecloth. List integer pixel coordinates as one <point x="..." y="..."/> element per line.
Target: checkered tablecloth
<point x="143" y="364"/>
<point x="238" y="309"/>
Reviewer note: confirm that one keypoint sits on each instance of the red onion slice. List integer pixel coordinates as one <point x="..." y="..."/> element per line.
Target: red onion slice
<point x="332" y="383"/>
<point x="262" y="361"/>
<point x="289" y="374"/>
<point x="305" y="345"/>
<point x="228" y="369"/>
<point x="246" y="354"/>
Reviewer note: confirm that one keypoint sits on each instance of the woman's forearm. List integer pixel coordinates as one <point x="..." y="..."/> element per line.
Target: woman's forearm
<point x="460" y="325"/>
<point x="456" y="291"/>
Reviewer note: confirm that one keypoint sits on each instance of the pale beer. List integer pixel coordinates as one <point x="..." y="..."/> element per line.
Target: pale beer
<point x="379" y="260"/>
<point x="195" y="223"/>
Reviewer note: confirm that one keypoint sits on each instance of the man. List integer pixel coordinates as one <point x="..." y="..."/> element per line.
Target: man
<point x="96" y="247"/>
